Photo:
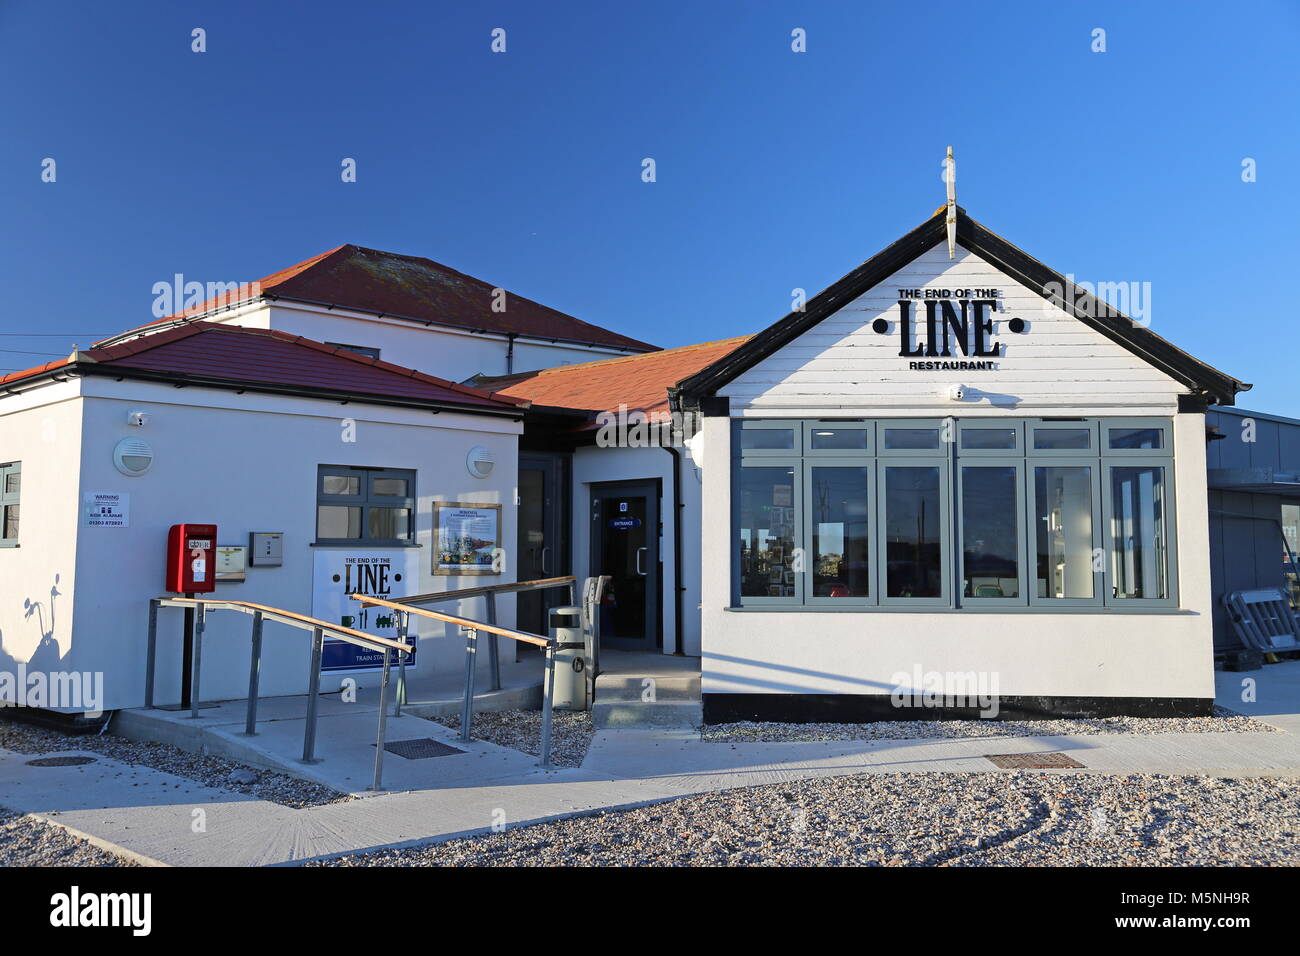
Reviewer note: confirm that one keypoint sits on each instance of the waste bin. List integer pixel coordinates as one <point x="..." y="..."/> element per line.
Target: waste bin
<point x="570" y="660"/>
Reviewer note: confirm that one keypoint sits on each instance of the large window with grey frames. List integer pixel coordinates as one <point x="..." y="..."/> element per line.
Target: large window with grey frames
<point x="955" y="513"/>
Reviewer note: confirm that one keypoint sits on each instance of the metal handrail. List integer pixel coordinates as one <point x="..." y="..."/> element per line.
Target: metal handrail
<point x="489" y="593"/>
<point x="472" y="628"/>
<point x="260" y="614"/>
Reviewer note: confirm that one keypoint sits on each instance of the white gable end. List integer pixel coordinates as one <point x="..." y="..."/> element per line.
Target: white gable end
<point x="1055" y="366"/>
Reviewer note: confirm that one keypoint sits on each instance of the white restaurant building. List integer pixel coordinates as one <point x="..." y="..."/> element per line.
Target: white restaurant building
<point x="944" y="463"/>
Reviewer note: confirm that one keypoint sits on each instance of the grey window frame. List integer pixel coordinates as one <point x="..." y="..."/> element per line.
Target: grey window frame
<point x="1022" y="536"/>
<point x="873" y="523"/>
<point x="1031" y="524"/>
<point x="993" y="424"/>
<point x="10" y="498"/>
<point x="951" y="458"/>
<point x="1171" y="530"/>
<point x="796" y="502"/>
<point x="945" y="598"/>
<point x="794" y="425"/>
<point x="365" y="501"/>
<point x="1034" y="424"/>
<point x="942" y="450"/>
<point x="810" y="426"/>
<point x="1163" y="424"/>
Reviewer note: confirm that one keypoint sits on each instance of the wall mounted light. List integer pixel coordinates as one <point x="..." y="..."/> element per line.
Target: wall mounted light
<point x="480" y="462"/>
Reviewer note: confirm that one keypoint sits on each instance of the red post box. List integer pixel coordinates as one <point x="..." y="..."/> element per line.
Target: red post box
<point x="191" y="558"/>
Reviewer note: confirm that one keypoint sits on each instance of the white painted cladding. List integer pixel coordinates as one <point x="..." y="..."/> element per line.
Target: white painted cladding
<point x="1059" y="366"/>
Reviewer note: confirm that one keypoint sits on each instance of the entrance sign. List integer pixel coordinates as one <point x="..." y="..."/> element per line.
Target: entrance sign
<point x="466" y="538"/>
<point x="387" y="573"/>
<point x="102" y="509"/>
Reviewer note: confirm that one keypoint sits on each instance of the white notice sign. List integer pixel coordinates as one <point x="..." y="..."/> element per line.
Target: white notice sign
<point x="103" y="509"/>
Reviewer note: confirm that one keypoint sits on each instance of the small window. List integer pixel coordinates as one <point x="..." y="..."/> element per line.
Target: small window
<point x="833" y="439"/>
<point x="1137" y="437"/>
<point x="1063" y="439"/>
<point x="10" y="485"/>
<point x="365" y="506"/>
<point x="911" y="439"/>
<point x="365" y="350"/>
<point x="988" y="439"/>
<point x="767" y="439"/>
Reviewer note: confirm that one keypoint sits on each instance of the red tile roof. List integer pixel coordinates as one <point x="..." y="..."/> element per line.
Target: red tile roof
<point x="640" y="382"/>
<point x="207" y="351"/>
<point x="412" y="287"/>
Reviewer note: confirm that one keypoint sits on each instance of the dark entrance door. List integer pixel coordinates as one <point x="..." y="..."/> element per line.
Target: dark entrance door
<point x="625" y="545"/>
<point x="542" y="545"/>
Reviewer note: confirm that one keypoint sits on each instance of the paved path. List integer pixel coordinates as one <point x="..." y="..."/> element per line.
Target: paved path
<point x="172" y="820"/>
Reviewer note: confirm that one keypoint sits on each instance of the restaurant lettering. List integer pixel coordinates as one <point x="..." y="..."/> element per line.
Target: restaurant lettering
<point x="948" y="324"/>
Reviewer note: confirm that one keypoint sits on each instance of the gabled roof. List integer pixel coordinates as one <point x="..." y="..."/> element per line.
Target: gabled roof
<point x="264" y="360"/>
<point x="413" y="288"/>
<point x="1202" y="379"/>
<point x="641" y="382"/>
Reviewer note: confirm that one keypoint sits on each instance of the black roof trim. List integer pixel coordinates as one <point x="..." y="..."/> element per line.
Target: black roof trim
<point x="1095" y="313"/>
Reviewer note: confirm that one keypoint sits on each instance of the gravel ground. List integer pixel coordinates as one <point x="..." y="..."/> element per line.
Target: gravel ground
<point x="571" y="732"/>
<point x="1224" y="721"/>
<point x="28" y="842"/>
<point x="206" y="769"/>
<point x="1018" y="818"/>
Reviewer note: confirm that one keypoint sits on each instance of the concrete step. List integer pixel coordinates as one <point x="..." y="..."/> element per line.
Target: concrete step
<point x="612" y="714"/>
<point x="633" y="689"/>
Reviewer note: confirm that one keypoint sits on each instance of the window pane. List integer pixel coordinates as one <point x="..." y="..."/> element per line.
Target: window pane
<point x="839" y="532"/>
<point x="338" y="521"/>
<point x="390" y="487"/>
<point x="10" y="529"/>
<point x="388" y="523"/>
<point x="1063" y="513"/>
<point x="912" y="528"/>
<point x="767" y="514"/>
<point x="1140" y="554"/>
<point x="12" y="480"/>
<point x="911" y="438"/>
<point x="979" y="438"/>
<point x="839" y="438"/>
<point x="990" y="533"/>
<point x="1290" y="557"/>
<point x="767" y="438"/>
<point x="341" y="485"/>
<point x="1137" y="438"/>
<point x="1062" y="438"/>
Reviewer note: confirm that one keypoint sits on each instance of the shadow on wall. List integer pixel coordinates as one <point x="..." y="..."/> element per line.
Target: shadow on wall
<point x="46" y="658"/>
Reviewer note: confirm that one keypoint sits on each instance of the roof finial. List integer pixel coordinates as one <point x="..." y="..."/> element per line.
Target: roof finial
<point x="950" y="177"/>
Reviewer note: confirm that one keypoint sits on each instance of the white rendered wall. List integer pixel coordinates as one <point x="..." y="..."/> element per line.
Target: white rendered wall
<point x="447" y="353"/>
<point x="248" y="462"/>
<point x="42" y="429"/>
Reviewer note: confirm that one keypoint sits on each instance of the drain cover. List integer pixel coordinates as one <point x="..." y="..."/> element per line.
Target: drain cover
<point x="60" y="761"/>
<point x="1049" y="761"/>
<point x="420" y="748"/>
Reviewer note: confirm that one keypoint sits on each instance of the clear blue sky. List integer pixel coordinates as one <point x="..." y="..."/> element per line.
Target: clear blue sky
<point x="775" y="169"/>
